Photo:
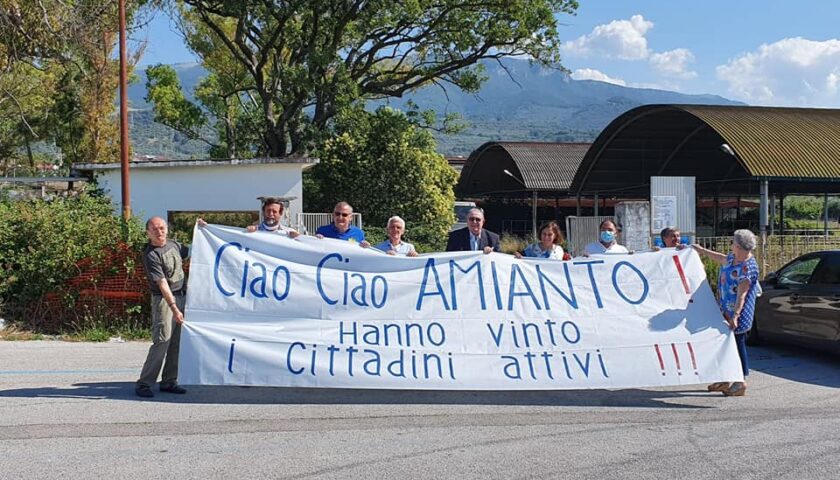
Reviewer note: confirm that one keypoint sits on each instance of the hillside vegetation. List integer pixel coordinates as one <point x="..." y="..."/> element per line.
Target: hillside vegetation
<point x="521" y="102"/>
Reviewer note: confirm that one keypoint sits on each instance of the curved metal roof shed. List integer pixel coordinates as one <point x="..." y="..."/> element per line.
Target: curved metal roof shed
<point x="521" y="168"/>
<point x="729" y="149"/>
<point x="533" y="166"/>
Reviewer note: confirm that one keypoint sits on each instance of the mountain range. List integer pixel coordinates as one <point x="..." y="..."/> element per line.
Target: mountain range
<point x="520" y="101"/>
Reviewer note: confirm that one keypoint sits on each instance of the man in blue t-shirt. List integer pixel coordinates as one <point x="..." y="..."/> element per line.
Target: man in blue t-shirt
<point x="341" y="228"/>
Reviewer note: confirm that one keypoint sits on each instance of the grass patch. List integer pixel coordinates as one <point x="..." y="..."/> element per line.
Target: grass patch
<point x="16" y="336"/>
<point x="510" y="243"/>
<point x="99" y="335"/>
<point x="13" y="333"/>
<point x="103" y="334"/>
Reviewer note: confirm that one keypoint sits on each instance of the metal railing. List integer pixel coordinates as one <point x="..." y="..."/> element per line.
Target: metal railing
<point x="780" y="248"/>
<point x="311" y="221"/>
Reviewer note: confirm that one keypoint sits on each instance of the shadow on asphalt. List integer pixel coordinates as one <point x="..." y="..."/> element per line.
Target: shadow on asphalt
<point x="796" y="364"/>
<point x="333" y="396"/>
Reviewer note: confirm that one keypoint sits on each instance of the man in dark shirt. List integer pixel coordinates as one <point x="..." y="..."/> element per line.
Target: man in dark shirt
<point x="474" y="236"/>
<point x="162" y="259"/>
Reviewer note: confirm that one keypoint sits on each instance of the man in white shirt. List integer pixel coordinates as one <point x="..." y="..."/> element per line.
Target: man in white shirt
<point x="272" y="213"/>
<point x="607" y="242"/>
<point x="394" y="244"/>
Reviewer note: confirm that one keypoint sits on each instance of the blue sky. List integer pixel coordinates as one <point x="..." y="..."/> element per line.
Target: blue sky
<point x="763" y="52"/>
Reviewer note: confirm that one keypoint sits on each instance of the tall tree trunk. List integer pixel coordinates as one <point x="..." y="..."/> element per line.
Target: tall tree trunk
<point x="275" y="135"/>
<point x="29" y="153"/>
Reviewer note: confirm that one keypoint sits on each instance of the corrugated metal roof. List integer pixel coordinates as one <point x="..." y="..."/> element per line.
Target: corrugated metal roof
<point x="546" y="166"/>
<point x="796" y="149"/>
<point x="538" y="165"/>
<point x="778" y="142"/>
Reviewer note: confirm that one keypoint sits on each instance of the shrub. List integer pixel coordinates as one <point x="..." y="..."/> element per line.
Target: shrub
<point x="712" y="272"/>
<point x="43" y="243"/>
<point x="510" y="243"/>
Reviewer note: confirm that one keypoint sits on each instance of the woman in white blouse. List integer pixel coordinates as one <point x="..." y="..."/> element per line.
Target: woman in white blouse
<point x="549" y="244"/>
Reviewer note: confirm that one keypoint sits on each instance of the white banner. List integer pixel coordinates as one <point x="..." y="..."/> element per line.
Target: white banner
<point x="264" y="309"/>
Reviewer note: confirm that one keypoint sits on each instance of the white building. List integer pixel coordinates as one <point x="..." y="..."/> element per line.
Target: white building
<point x="158" y="188"/>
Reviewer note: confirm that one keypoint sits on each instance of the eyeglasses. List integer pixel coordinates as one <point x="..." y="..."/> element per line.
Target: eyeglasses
<point x="474" y="219"/>
<point x="341" y="214"/>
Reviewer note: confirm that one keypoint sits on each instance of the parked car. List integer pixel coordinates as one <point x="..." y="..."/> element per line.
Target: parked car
<point x="801" y="303"/>
<point x="461" y="210"/>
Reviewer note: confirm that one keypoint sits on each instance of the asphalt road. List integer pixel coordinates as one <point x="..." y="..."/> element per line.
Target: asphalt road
<point x="67" y="410"/>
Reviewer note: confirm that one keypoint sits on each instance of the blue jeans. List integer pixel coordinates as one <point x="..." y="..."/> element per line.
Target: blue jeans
<point x="741" y="342"/>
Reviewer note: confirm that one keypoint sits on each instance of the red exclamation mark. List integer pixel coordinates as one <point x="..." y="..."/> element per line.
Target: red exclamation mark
<point x="693" y="360"/>
<point x="676" y="358"/>
<point x="659" y="355"/>
<point x="682" y="274"/>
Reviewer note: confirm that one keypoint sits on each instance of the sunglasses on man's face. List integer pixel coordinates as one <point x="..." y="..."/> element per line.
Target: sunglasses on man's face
<point x="474" y="219"/>
<point x="341" y="214"/>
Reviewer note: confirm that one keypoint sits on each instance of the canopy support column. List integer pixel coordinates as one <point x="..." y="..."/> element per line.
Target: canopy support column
<point x="534" y="215"/>
<point x="825" y="217"/>
<point x="762" y="220"/>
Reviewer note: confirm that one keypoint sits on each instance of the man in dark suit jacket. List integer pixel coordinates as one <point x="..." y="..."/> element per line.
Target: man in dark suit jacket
<point x="474" y="236"/>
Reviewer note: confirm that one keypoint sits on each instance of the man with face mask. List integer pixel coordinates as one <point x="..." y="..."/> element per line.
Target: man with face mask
<point x="607" y="242"/>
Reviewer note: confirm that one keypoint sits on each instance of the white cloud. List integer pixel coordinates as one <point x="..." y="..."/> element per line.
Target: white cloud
<point x="624" y="39"/>
<point x="792" y="72"/>
<point x="673" y="63"/>
<point x="831" y="83"/>
<point x="592" y="74"/>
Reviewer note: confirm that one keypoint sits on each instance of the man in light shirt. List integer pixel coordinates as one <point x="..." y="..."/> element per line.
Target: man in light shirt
<point x="272" y="214"/>
<point x="394" y="244"/>
<point x="607" y="241"/>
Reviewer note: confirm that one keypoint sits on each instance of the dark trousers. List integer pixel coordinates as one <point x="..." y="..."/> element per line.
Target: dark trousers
<point x="741" y="342"/>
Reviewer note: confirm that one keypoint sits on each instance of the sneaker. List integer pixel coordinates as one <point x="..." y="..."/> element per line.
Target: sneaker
<point x="143" y="391"/>
<point x="174" y="388"/>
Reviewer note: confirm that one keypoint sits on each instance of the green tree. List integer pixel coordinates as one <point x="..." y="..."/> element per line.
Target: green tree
<point x="299" y="63"/>
<point x="57" y="57"/>
<point x="163" y="90"/>
<point x="26" y="95"/>
<point x="804" y="207"/>
<point x="383" y="164"/>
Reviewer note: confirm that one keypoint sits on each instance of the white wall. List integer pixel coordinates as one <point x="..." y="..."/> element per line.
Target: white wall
<point x="156" y="191"/>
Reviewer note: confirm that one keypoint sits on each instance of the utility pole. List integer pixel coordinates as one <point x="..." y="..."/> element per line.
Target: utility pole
<point x="126" y="193"/>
